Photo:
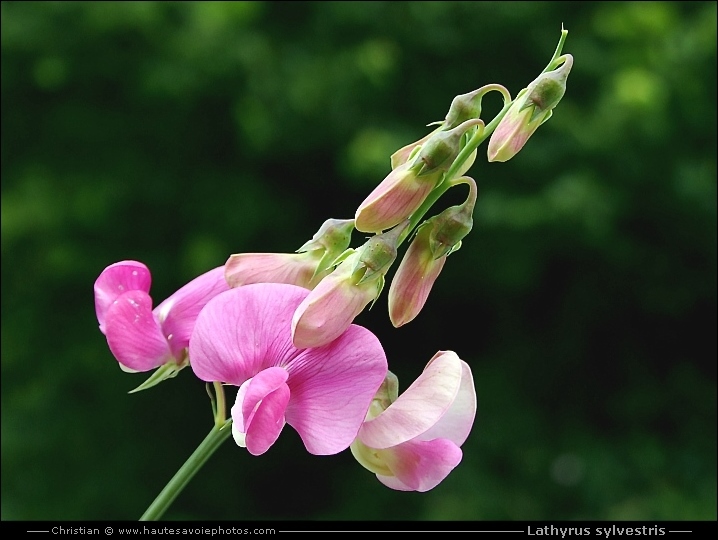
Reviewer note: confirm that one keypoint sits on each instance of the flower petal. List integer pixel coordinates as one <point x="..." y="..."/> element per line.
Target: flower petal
<point x="332" y="387"/>
<point x="242" y="331"/>
<point x="293" y="268"/>
<point x="133" y="334"/>
<point x="259" y="409"/>
<point x="117" y="279"/>
<point x="419" y="407"/>
<point x="179" y="312"/>
<point x="420" y="465"/>
<point x="457" y="422"/>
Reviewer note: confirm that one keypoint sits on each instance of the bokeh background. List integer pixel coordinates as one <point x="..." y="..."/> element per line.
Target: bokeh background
<point x="177" y="133"/>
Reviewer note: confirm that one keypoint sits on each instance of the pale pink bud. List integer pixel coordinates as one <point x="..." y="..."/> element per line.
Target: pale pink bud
<point x="398" y="196"/>
<point x="528" y="112"/>
<point x="414" y="279"/>
<point x="333" y="304"/>
<point x="292" y="268"/>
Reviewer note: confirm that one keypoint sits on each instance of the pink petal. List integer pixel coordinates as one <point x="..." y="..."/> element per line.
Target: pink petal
<point x="179" y="312"/>
<point x="293" y="268"/>
<point x="117" y="279"/>
<point x="259" y="409"/>
<point x="417" y="409"/>
<point x="420" y="465"/>
<point x="332" y="387"/>
<point x="242" y="331"/>
<point x="133" y="334"/>
<point x="457" y="422"/>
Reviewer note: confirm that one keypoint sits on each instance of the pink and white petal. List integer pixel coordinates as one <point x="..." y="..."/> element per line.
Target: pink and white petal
<point x="237" y="414"/>
<point x="393" y="482"/>
<point x="417" y="409"/>
<point x="178" y="313"/>
<point x="133" y="334"/>
<point x="456" y="424"/>
<point x="421" y="465"/>
<point x="242" y="331"/>
<point x="117" y="279"/>
<point x="293" y="268"/>
<point x="332" y="387"/>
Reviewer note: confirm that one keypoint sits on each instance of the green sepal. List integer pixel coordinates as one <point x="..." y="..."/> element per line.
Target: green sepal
<point x="162" y="373"/>
<point x="380" y="287"/>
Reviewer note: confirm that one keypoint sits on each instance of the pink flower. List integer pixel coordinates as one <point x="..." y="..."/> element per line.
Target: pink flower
<point x="413" y="442"/>
<point x="139" y="337"/>
<point x="243" y="337"/>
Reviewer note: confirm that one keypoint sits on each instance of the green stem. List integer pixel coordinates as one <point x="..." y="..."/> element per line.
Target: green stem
<point x="199" y="457"/>
<point x="220" y="432"/>
<point x="557" y="53"/>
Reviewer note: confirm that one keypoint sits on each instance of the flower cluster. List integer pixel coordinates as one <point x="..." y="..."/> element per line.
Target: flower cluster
<point x="279" y="326"/>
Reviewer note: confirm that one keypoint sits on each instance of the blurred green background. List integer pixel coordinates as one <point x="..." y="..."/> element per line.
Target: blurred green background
<point x="177" y="133"/>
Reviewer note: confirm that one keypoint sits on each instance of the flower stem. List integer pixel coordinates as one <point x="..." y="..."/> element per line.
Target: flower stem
<point x="220" y="432"/>
<point x="207" y="447"/>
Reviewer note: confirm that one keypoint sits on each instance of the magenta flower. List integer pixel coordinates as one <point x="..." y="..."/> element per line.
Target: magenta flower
<point x="413" y="442"/>
<point x="139" y="337"/>
<point x="243" y="337"/>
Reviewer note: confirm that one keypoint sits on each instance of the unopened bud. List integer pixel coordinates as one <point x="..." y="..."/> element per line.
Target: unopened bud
<point x="463" y="107"/>
<point x="448" y="229"/>
<point x="332" y="239"/>
<point x="378" y="254"/>
<point x="528" y="112"/>
<point x="440" y="151"/>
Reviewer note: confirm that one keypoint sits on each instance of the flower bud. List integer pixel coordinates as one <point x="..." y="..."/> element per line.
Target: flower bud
<point x="440" y="151"/>
<point x="413" y="280"/>
<point x="531" y="109"/>
<point x="405" y="153"/>
<point x="332" y="305"/>
<point x="304" y="268"/>
<point x="331" y="240"/>
<point x="378" y="253"/>
<point x="450" y="226"/>
<point x="293" y="268"/>
<point x="464" y="107"/>
<point x="398" y="196"/>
